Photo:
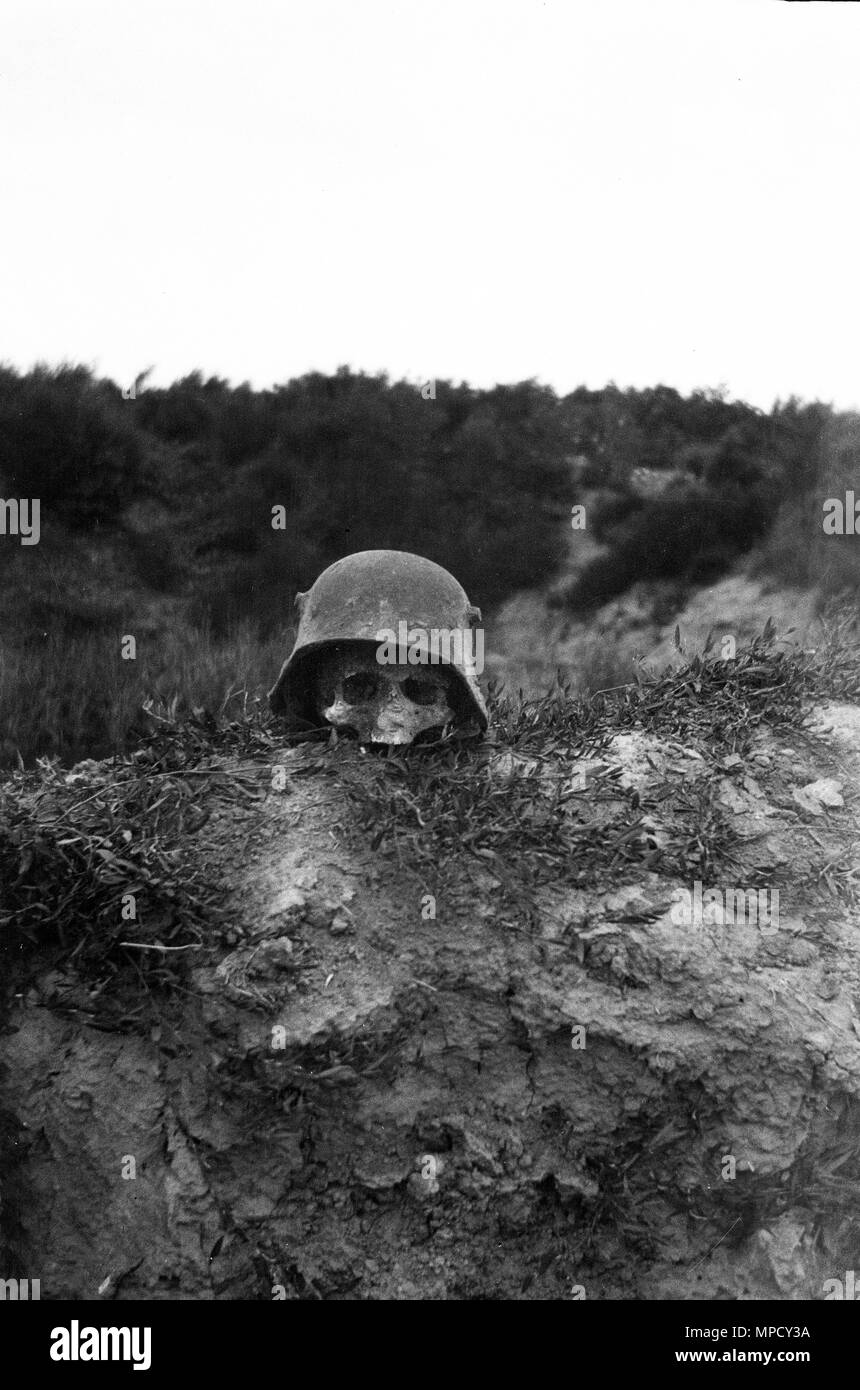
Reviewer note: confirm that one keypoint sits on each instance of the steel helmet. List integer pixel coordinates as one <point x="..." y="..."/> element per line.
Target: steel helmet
<point x="364" y="594"/>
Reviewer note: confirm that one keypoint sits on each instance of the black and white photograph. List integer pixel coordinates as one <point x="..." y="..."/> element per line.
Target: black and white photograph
<point x="429" y="665"/>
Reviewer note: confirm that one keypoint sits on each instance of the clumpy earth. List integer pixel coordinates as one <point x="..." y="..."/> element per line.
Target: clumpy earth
<point x="398" y="1059"/>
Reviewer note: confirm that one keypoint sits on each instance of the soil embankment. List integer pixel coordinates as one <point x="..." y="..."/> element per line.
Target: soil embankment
<point x="384" y="1077"/>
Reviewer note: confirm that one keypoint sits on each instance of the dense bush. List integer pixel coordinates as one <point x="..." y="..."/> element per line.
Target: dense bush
<point x="694" y="535"/>
<point x="66" y="440"/>
<point x="621" y="430"/>
<point x="476" y="481"/>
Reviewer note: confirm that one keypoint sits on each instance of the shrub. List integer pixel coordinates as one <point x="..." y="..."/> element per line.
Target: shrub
<point x="694" y="535"/>
<point x="64" y="439"/>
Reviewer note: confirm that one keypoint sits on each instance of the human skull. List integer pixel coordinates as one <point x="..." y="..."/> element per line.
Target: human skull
<point x="385" y="704"/>
<point x="383" y="598"/>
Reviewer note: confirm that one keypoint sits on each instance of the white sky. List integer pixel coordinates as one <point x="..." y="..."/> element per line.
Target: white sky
<point x="487" y="190"/>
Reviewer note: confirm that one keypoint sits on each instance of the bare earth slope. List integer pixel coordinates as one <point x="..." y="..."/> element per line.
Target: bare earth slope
<point x="529" y="641"/>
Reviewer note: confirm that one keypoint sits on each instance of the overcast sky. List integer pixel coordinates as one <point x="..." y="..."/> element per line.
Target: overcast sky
<point x="485" y="190"/>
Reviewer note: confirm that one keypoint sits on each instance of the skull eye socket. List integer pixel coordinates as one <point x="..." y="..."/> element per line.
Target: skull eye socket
<point x="422" y="692"/>
<point x="360" y="686"/>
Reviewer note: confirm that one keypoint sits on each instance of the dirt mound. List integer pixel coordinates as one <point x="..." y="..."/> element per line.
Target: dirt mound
<point x="412" y="1060"/>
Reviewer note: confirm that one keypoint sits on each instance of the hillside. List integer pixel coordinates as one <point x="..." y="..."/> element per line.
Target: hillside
<point x="187" y="517"/>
